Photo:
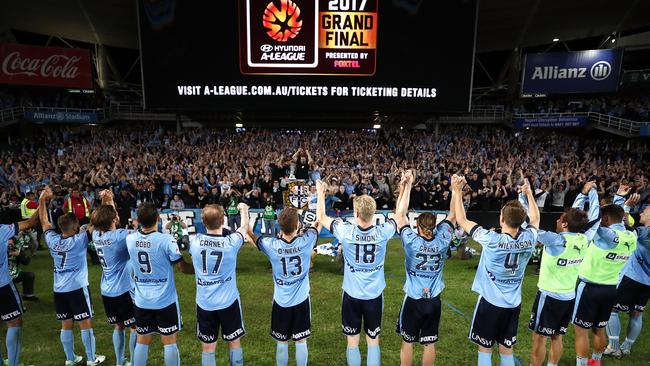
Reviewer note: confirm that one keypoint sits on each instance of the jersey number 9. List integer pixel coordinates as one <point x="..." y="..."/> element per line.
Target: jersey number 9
<point x="145" y="263"/>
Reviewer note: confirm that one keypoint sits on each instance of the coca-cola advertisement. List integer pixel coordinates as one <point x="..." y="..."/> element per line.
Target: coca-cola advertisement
<point x="48" y="66"/>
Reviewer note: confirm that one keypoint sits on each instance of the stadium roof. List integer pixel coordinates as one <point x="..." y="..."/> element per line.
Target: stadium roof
<point x="502" y="25"/>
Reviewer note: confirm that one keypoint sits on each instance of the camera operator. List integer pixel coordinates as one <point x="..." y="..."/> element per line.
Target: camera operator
<point x="17" y="258"/>
<point x="178" y="229"/>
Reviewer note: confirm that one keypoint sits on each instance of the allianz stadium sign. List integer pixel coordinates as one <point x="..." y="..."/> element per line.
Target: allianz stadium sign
<point x="592" y="71"/>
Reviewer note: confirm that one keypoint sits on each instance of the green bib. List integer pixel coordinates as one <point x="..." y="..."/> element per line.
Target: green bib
<point x="559" y="274"/>
<point x="177" y="230"/>
<point x="232" y="208"/>
<point x="603" y="266"/>
<point x="269" y="213"/>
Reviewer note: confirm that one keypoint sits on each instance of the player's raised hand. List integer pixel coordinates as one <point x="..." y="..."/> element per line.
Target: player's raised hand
<point x="633" y="200"/>
<point x="410" y="176"/>
<point x="525" y="189"/>
<point x="46" y="194"/>
<point x="242" y="207"/>
<point x="623" y="190"/>
<point x="588" y="186"/>
<point x="457" y="183"/>
<point x="321" y="187"/>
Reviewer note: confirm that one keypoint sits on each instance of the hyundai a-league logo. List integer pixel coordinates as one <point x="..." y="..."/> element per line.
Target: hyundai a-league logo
<point x="284" y="23"/>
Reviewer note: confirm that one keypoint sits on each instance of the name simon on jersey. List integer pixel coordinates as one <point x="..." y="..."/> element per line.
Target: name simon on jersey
<point x="365" y="238"/>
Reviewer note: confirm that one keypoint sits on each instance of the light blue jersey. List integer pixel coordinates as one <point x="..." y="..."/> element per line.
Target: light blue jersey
<point x="69" y="254"/>
<point x="215" y="264"/>
<point x="114" y="258"/>
<point x="364" y="251"/>
<point x="638" y="267"/>
<point x="6" y="232"/>
<point x="503" y="261"/>
<point x="425" y="260"/>
<point x="290" y="262"/>
<point x="152" y="257"/>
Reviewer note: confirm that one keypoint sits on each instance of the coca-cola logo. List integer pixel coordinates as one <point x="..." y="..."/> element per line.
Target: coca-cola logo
<point x="54" y="66"/>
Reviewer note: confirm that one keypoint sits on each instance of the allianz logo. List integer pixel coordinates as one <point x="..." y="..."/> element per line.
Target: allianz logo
<point x="600" y="70"/>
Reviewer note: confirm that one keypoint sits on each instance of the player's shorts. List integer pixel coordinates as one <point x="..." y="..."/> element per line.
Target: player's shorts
<point x="119" y="309"/>
<point x="75" y="305"/>
<point x="631" y="296"/>
<point x="550" y="316"/>
<point x="354" y="311"/>
<point x="593" y="305"/>
<point x="418" y="320"/>
<point x="11" y="306"/>
<point x="292" y="323"/>
<point x="492" y="324"/>
<point x="228" y="319"/>
<point x="165" y="321"/>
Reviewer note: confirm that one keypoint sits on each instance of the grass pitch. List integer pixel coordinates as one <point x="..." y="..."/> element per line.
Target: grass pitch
<point x="41" y="344"/>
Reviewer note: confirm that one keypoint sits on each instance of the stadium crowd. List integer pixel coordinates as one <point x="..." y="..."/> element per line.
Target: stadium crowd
<point x="636" y="108"/>
<point x="256" y="166"/>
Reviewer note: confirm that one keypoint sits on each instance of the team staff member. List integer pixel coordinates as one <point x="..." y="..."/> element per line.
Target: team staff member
<point x="562" y="255"/>
<point x="218" y="305"/>
<point x="71" y="290"/>
<point x="633" y="291"/>
<point x="599" y="273"/>
<point x="500" y="272"/>
<point x="425" y="255"/>
<point x="78" y="205"/>
<point x="290" y="256"/>
<point x="11" y="306"/>
<point x="364" y="250"/>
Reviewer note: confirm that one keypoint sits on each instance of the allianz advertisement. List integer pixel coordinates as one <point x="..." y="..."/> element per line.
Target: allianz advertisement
<point x="592" y="71"/>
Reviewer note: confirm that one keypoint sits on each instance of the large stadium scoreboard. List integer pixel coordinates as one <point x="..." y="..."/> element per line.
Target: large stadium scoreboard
<point x="308" y="55"/>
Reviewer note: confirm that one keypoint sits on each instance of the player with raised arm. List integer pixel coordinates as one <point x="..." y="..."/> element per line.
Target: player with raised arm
<point x="633" y="290"/>
<point x="71" y="290"/>
<point x="598" y="276"/>
<point x="500" y="273"/>
<point x="290" y="255"/>
<point x="425" y="254"/>
<point x="11" y="306"/>
<point x="562" y="255"/>
<point x="110" y="244"/>
<point x="152" y="256"/>
<point x="218" y="305"/>
<point x="364" y="251"/>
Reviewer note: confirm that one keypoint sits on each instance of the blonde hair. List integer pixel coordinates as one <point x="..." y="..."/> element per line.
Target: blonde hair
<point x="365" y="207"/>
<point x="212" y="216"/>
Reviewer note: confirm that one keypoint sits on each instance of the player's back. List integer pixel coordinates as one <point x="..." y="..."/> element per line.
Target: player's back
<point x="504" y="258"/>
<point x="364" y="251"/>
<point x="290" y="262"/>
<point x="69" y="255"/>
<point x="114" y="259"/>
<point x="425" y="260"/>
<point x="152" y="256"/>
<point x="6" y="233"/>
<point x="215" y="263"/>
<point x="638" y="266"/>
